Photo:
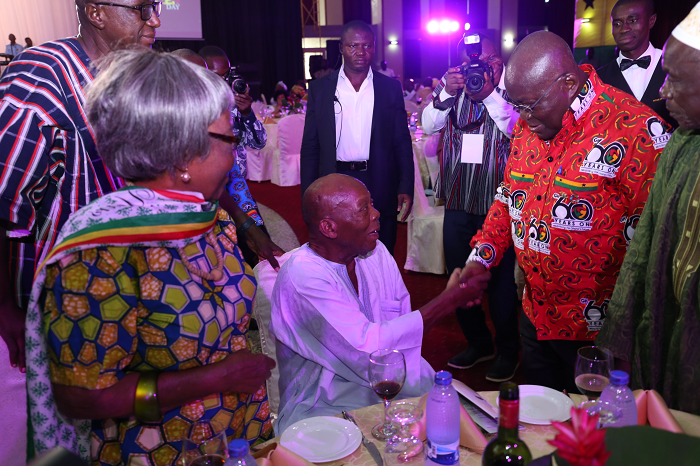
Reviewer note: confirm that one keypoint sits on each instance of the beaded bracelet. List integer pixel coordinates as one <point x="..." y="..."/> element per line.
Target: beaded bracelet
<point x="247" y="224"/>
<point x="146" y="404"/>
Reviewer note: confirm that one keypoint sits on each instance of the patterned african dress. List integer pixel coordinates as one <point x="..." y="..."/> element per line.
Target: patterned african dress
<point x="115" y="297"/>
<point x="653" y="318"/>
<point x="570" y="206"/>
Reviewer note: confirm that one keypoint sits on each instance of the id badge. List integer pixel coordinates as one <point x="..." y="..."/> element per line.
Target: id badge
<point x="473" y="148"/>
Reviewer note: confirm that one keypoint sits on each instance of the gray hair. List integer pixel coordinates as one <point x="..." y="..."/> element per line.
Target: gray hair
<point x="151" y="111"/>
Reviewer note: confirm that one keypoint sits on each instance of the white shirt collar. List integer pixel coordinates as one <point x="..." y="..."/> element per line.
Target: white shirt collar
<point x="370" y="76"/>
<point x="649" y="51"/>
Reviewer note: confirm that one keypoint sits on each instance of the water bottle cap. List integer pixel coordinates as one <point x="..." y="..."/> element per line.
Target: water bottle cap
<point x="509" y="391"/>
<point x="443" y="378"/>
<point x="619" y="378"/>
<point x="238" y="448"/>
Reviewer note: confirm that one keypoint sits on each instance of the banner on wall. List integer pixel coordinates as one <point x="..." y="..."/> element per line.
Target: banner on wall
<point x="592" y="27"/>
<point x="180" y="19"/>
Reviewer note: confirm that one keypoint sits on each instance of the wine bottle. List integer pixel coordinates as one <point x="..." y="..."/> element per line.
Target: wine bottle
<point x="507" y="448"/>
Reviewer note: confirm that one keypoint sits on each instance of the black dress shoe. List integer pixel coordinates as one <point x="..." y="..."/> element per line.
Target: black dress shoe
<point x="502" y="369"/>
<point x="470" y="357"/>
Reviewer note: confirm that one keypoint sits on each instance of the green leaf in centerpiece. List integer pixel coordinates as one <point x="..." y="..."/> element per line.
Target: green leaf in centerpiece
<point x="644" y="445"/>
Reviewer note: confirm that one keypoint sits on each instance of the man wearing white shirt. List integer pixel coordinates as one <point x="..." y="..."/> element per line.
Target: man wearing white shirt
<point x="386" y="71"/>
<point x="637" y="70"/>
<point x="481" y="123"/>
<point x="13" y="48"/>
<point x="356" y="125"/>
<point x="341" y="297"/>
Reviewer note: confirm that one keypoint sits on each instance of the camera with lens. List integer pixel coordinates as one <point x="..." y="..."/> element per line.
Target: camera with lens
<point x="474" y="72"/>
<point x="236" y="81"/>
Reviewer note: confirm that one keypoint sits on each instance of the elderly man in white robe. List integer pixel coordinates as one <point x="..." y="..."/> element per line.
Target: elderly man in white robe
<point x="339" y="298"/>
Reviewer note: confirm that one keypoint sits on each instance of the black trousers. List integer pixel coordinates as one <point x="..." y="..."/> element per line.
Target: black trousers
<point x="551" y="363"/>
<point x="387" y="223"/>
<point x="458" y="229"/>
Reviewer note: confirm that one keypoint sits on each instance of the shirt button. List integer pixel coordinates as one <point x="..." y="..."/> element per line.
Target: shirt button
<point x="535" y="269"/>
<point x="541" y="303"/>
<point x="549" y="159"/>
<point x="539" y="198"/>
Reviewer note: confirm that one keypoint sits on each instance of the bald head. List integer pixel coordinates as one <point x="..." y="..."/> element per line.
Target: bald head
<point x="544" y="79"/>
<point x="325" y="195"/>
<point x="190" y="56"/>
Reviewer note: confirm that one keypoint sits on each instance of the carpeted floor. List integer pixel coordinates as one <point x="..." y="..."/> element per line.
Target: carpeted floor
<point x="442" y="341"/>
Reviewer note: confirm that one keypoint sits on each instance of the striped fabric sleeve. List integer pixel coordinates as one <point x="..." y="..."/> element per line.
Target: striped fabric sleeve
<point x="25" y="144"/>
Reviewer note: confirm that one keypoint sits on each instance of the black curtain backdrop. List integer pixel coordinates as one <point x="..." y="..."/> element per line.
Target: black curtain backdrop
<point x="261" y="37"/>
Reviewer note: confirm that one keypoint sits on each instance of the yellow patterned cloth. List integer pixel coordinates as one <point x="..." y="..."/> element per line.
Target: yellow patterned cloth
<point x="109" y="311"/>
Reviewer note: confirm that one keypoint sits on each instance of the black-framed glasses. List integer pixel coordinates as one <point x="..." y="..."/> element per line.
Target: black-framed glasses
<point x="225" y="138"/>
<point x="531" y="108"/>
<point x="147" y="10"/>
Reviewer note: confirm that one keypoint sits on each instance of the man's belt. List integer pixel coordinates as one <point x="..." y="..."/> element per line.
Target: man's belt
<point x="351" y="166"/>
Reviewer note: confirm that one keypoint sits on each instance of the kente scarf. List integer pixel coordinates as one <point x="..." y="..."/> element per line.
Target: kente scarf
<point x="131" y="216"/>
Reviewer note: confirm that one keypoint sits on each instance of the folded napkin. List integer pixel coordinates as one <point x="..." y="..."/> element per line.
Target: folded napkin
<point x="469" y="434"/>
<point x="269" y="121"/>
<point x="652" y="408"/>
<point x="276" y="455"/>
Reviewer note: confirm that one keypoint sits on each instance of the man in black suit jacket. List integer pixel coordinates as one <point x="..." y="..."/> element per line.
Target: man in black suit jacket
<point x="356" y="125"/>
<point x="637" y="70"/>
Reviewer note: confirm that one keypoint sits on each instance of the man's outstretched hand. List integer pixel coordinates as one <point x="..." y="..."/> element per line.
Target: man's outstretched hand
<point x="472" y="281"/>
<point x="12" y="332"/>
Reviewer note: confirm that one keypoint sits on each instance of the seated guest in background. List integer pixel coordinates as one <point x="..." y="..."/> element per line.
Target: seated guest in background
<point x="356" y="125"/>
<point x="145" y="297"/>
<point x="425" y="91"/>
<point x="251" y="226"/>
<point x="467" y="190"/>
<point x="339" y="298"/>
<point x="386" y="71"/>
<point x="637" y="69"/>
<point x="652" y="326"/>
<point x="575" y="184"/>
<point x="590" y="58"/>
<point x="13" y="48"/>
<point x="409" y="89"/>
<point x="28" y="43"/>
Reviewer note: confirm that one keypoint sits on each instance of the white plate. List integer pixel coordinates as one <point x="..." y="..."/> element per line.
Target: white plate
<point x="541" y="405"/>
<point x="322" y="439"/>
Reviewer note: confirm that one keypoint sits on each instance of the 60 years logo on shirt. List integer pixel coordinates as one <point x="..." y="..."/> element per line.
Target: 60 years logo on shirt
<point x="574" y="215"/>
<point x="603" y="160"/>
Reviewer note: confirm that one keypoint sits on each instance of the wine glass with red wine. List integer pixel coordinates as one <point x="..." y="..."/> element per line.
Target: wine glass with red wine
<point x="206" y="444"/>
<point x="593" y="366"/>
<point x="387" y="373"/>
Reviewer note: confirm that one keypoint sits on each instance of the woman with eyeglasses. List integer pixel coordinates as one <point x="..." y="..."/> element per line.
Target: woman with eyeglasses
<point x="145" y="300"/>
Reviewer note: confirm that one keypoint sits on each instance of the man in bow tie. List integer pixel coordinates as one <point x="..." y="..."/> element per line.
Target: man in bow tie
<point x="637" y="70"/>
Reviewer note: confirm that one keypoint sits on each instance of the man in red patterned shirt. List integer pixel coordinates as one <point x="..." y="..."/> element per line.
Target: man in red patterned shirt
<point x="582" y="160"/>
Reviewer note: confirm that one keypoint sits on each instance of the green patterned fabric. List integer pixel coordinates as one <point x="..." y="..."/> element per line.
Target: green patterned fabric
<point x="653" y="320"/>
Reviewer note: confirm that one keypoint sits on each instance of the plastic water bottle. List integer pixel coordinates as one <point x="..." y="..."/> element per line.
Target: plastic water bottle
<point x="619" y="395"/>
<point x="442" y="411"/>
<point x="238" y="454"/>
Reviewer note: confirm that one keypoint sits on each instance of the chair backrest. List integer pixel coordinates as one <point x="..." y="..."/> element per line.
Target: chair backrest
<point x="262" y="308"/>
<point x="410" y="106"/>
<point x="290" y="131"/>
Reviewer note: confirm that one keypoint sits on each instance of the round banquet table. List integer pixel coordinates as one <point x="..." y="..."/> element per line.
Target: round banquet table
<point x="534" y="436"/>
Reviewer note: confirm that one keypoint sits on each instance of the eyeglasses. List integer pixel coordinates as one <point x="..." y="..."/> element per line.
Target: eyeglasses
<point x="227" y="139"/>
<point x="147" y="10"/>
<point x="529" y="109"/>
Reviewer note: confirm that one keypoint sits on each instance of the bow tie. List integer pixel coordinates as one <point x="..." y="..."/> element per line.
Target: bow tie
<point x="642" y="62"/>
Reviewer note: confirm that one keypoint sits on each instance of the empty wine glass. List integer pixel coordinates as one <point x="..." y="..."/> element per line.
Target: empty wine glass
<point x="404" y="448"/>
<point x="608" y="413"/>
<point x="593" y="366"/>
<point x="206" y="444"/>
<point x="387" y="373"/>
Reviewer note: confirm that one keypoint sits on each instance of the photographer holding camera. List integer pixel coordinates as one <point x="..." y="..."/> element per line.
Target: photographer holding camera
<point x="470" y="105"/>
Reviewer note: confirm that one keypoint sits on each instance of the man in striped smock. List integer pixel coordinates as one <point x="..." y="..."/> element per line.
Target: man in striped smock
<point x="482" y="122"/>
<point x="49" y="168"/>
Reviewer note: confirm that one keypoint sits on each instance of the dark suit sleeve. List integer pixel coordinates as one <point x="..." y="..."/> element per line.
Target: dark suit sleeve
<point x="310" y="144"/>
<point x="403" y="150"/>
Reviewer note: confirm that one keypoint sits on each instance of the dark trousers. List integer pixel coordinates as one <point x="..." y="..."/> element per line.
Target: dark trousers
<point x="387" y="223"/>
<point x="458" y="229"/>
<point x="551" y="363"/>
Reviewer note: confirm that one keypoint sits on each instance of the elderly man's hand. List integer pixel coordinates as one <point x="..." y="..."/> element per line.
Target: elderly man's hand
<point x="405" y="199"/>
<point x="243" y="102"/>
<point x="263" y="246"/>
<point x="454" y="81"/>
<point x="484" y="92"/>
<point x="12" y="331"/>
<point x="474" y="276"/>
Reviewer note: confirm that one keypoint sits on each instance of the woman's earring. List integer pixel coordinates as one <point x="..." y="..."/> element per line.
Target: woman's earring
<point x="186" y="176"/>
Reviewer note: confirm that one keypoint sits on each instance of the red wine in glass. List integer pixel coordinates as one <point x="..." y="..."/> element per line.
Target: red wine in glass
<point x="387" y="389"/>
<point x="209" y="460"/>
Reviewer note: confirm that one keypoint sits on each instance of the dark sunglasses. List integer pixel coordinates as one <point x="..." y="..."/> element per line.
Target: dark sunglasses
<point x="225" y="138"/>
<point x="147" y="10"/>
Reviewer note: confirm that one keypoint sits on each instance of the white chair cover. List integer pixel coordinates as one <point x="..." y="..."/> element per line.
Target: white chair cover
<point x="260" y="161"/>
<point x="286" y="158"/>
<point x="262" y="309"/>
<point x="410" y="106"/>
<point x="424" y="251"/>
